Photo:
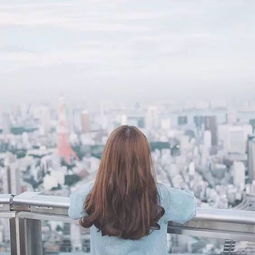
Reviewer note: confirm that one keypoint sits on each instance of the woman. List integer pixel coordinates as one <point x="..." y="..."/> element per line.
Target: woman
<point x="126" y="209"/>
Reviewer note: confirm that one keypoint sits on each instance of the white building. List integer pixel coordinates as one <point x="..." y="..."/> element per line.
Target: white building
<point x="207" y="139"/>
<point x="234" y="137"/>
<point x="238" y="170"/>
<point x="152" y="118"/>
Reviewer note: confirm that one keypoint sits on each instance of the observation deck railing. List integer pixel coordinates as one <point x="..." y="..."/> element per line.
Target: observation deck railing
<point x="26" y="211"/>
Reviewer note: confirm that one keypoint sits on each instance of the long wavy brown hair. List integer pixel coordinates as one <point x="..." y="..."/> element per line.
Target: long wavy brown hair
<point x="124" y="200"/>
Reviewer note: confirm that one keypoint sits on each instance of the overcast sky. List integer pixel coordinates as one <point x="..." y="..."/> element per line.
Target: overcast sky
<point x="126" y="50"/>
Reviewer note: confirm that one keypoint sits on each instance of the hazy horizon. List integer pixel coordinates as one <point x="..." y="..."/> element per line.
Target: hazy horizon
<point x="126" y="50"/>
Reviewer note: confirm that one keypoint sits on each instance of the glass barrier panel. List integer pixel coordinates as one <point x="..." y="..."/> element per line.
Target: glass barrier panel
<point x="5" y="247"/>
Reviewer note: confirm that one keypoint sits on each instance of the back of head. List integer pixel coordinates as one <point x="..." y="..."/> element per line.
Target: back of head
<point x="124" y="201"/>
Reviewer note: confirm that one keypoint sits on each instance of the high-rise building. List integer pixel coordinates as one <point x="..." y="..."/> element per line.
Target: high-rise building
<point x="11" y="175"/>
<point x="6" y="123"/>
<point x="199" y="121"/>
<point x="45" y="119"/>
<point x="251" y="157"/>
<point x="85" y="122"/>
<point x="152" y="118"/>
<point x="182" y="120"/>
<point x="239" y="174"/>
<point x="64" y="148"/>
<point x="207" y="139"/>
<point x="234" y="138"/>
<point x="211" y="125"/>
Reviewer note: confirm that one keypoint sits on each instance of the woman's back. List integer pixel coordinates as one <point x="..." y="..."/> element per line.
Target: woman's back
<point x="179" y="206"/>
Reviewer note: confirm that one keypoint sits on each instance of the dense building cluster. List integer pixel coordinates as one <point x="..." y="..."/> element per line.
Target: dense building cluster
<point x="207" y="147"/>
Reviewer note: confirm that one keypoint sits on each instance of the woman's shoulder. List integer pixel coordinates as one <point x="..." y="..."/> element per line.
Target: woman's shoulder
<point x="165" y="189"/>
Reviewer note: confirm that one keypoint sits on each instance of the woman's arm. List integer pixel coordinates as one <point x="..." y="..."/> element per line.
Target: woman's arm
<point x="180" y="205"/>
<point x="77" y="199"/>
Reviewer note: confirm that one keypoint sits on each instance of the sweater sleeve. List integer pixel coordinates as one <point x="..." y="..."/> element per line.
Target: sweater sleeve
<point x="77" y="199"/>
<point x="180" y="205"/>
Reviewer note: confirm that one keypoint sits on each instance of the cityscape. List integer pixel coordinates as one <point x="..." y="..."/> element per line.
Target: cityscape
<point x="204" y="146"/>
<point x="182" y="71"/>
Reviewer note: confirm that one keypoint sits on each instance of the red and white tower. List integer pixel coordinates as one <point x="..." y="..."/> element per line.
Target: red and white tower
<point x="64" y="148"/>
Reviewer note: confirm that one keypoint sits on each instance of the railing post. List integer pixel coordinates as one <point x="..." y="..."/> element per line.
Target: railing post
<point x="13" y="237"/>
<point x="29" y="237"/>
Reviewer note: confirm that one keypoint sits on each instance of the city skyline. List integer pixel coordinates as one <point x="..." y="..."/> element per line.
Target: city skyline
<point x="181" y="71"/>
<point x="209" y="150"/>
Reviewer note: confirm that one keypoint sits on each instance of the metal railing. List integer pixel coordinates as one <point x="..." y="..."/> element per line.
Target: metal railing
<point x="26" y="211"/>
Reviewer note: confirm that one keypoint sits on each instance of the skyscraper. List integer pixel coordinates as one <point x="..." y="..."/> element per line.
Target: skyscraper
<point x="85" y="122"/>
<point x="211" y="124"/>
<point x="251" y="157"/>
<point x="45" y="119"/>
<point x="182" y="120"/>
<point x="152" y="118"/>
<point x="63" y="146"/>
<point x="238" y="169"/>
<point x="11" y="175"/>
<point x="234" y="138"/>
<point x="6" y="123"/>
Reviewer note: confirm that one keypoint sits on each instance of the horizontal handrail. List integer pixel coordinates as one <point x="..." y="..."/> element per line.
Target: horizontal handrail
<point x="35" y="199"/>
<point x="212" y="222"/>
<point x="226" y="215"/>
<point x="5" y="198"/>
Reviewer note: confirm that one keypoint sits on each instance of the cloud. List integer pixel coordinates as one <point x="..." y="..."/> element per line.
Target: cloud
<point x="192" y="43"/>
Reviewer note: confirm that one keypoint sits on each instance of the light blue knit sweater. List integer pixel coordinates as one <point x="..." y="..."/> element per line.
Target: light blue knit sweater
<point x="179" y="205"/>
